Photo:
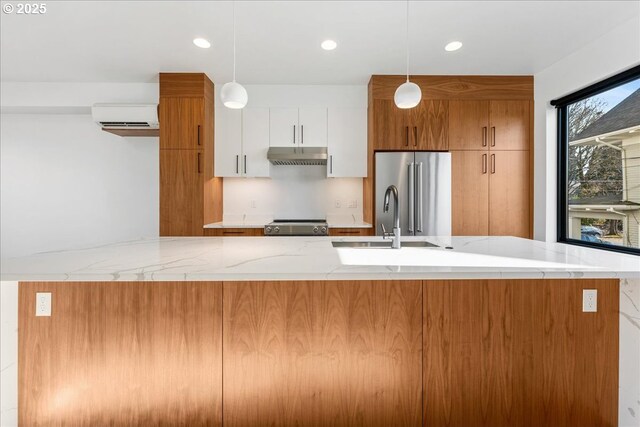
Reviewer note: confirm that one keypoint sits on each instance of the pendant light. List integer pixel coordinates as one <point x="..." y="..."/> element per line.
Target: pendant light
<point x="233" y="94"/>
<point x="408" y="94"/>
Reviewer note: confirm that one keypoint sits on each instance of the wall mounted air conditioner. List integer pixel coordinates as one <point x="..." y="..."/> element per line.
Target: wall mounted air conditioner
<point x="127" y="119"/>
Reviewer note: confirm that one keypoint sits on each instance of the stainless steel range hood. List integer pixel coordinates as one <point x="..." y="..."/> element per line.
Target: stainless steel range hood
<point x="294" y="156"/>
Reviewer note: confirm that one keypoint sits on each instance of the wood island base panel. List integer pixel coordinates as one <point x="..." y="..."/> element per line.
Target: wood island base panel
<point x="319" y="353"/>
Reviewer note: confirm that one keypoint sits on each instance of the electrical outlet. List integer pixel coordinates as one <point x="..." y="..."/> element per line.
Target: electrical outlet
<point x="338" y="204"/>
<point x="353" y="204"/>
<point x="43" y="304"/>
<point x="589" y="300"/>
<point x="253" y="204"/>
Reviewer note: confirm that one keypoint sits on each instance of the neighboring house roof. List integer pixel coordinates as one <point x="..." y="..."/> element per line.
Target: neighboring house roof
<point x="607" y="200"/>
<point x="623" y="116"/>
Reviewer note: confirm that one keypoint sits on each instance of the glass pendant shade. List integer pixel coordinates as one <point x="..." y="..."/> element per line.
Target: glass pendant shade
<point x="234" y="95"/>
<point x="408" y="95"/>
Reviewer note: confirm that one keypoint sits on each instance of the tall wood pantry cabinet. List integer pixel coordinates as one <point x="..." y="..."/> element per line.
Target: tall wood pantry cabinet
<point x="190" y="196"/>
<point x="489" y="142"/>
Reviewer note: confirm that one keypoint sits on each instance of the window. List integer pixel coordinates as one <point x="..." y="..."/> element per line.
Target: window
<point x="599" y="164"/>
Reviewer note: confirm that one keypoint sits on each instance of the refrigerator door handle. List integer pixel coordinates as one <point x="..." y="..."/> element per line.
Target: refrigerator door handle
<point x="419" y="207"/>
<point x="411" y="195"/>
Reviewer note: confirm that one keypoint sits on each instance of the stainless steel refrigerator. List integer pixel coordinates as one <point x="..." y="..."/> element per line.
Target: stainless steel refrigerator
<point x="423" y="180"/>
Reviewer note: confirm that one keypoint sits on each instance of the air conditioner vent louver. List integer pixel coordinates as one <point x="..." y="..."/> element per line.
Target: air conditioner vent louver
<point x="124" y="118"/>
<point x="125" y="124"/>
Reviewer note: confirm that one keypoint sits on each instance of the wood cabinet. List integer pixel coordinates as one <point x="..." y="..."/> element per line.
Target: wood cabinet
<point x="242" y="141"/>
<point x="468" y="124"/>
<point x="423" y="128"/>
<point x="509" y="196"/>
<point x="430" y="121"/>
<point x="486" y="116"/>
<point x="519" y="353"/>
<point x="322" y="353"/>
<point x="303" y="127"/>
<point x="491" y="124"/>
<point x="469" y="193"/>
<point x="494" y="199"/>
<point x="190" y="196"/>
<point x="510" y="125"/>
<point x="182" y="123"/>
<point x="459" y="353"/>
<point x="121" y="354"/>
<point x="181" y="201"/>
<point x="390" y="131"/>
<point x="347" y="143"/>
<point x="490" y="193"/>
<point x="234" y="232"/>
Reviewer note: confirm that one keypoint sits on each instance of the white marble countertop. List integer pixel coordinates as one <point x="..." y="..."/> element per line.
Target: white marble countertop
<point x="349" y="225"/>
<point x="314" y="258"/>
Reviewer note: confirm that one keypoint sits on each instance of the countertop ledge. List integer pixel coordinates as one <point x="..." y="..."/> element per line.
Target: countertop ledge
<point x="231" y="224"/>
<point x="314" y="258"/>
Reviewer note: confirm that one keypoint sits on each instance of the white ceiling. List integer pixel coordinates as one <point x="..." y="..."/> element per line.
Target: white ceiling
<point x="278" y="42"/>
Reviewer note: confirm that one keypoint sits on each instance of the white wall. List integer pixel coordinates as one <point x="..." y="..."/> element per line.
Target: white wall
<point x="608" y="55"/>
<point x="23" y="97"/>
<point x="297" y="191"/>
<point x="65" y="183"/>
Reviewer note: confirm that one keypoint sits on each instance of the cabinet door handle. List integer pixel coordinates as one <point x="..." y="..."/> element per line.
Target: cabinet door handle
<point x="199" y="169"/>
<point x="198" y="134"/>
<point x="294" y="134"/>
<point x="493" y="136"/>
<point x="484" y="136"/>
<point x="237" y="162"/>
<point x="331" y="164"/>
<point x="406" y="143"/>
<point x="301" y="134"/>
<point x="493" y="163"/>
<point x="415" y="136"/>
<point x="484" y="163"/>
<point x="245" y="163"/>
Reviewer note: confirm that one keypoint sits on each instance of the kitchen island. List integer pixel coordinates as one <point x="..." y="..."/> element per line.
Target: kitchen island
<point x="292" y="331"/>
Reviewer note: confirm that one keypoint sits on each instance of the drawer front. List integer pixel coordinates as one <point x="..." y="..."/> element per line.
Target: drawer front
<point x="234" y="232"/>
<point x="350" y="231"/>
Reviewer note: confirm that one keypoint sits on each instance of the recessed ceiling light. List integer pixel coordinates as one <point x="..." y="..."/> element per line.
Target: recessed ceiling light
<point x="453" y="46"/>
<point x="203" y="43"/>
<point x="328" y="45"/>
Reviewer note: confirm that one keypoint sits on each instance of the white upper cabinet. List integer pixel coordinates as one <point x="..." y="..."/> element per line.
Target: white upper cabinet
<point x="255" y="142"/>
<point x="284" y="127"/>
<point x="228" y="142"/>
<point x="347" y="142"/>
<point x="242" y="141"/>
<point x="313" y="127"/>
<point x="298" y="127"/>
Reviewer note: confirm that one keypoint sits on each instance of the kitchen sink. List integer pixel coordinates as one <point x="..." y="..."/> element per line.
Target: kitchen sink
<point x="381" y="244"/>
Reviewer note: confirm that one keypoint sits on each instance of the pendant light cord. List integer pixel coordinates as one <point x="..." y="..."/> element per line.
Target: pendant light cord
<point x="234" y="40"/>
<point x="407" y="39"/>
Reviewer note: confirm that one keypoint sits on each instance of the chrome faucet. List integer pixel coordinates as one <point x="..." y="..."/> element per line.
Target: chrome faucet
<point x="395" y="234"/>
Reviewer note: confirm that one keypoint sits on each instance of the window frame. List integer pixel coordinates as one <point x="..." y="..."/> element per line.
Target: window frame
<point x="562" y="146"/>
